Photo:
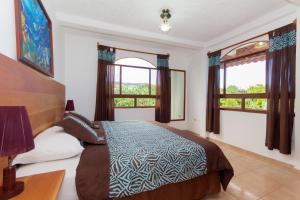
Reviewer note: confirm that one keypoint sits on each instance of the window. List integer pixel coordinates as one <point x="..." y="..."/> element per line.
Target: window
<point x="135" y="83"/>
<point x="177" y="95"/>
<point x="135" y="86"/>
<point x="243" y="78"/>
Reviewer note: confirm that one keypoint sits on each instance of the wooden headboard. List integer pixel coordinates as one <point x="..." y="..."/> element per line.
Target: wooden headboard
<point x="43" y="97"/>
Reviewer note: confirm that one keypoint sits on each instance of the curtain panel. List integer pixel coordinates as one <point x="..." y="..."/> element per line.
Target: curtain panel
<point x="281" y="59"/>
<point x="213" y="91"/>
<point x="105" y="84"/>
<point x="163" y="90"/>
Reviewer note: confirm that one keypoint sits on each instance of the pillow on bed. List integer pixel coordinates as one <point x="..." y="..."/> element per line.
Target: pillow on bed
<point x="82" y="131"/>
<point x="49" y="147"/>
<point x="53" y="129"/>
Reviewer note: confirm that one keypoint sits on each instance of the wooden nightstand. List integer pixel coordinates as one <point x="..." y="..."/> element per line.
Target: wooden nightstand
<point x="44" y="186"/>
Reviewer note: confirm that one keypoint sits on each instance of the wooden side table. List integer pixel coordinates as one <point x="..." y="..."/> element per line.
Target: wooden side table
<point x="43" y="186"/>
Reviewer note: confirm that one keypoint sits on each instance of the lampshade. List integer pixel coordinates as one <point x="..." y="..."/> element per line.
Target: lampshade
<point x="15" y="131"/>
<point x="70" y="105"/>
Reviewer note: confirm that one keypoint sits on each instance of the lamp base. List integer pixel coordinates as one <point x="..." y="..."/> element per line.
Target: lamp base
<point x="7" y="194"/>
<point x="10" y="187"/>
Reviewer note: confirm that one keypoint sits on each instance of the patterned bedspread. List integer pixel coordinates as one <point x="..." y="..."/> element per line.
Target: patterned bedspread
<point x="144" y="156"/>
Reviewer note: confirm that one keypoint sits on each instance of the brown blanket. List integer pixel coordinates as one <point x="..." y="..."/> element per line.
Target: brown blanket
<point x="93" y="171"/>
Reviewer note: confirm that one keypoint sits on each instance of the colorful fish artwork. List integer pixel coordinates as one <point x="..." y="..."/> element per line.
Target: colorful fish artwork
<point x="35" y="46"/>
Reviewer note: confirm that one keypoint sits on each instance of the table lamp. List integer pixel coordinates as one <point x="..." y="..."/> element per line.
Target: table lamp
<point x="15" y="138"/>
<point x="70" y="106"/>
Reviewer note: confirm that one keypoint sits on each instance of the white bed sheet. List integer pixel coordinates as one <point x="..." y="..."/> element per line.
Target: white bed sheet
<point x="68" y="188"/>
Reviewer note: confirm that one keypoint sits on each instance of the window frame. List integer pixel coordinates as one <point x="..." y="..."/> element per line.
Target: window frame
<point x="243" y="97"/>
<point x="134" y="96"/>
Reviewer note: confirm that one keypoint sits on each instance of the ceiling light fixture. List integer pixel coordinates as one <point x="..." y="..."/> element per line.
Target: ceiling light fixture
<point x="165" y="16"/>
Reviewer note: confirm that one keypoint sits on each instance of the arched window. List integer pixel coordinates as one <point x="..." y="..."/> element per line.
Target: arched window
<point x="135" y="86"/>
<point x="243" y="78"/>
<point x="134" y="62"/>
<point x="135" y="83"/>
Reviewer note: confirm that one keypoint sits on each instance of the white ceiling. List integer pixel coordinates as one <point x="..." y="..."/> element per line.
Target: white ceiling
<point x="296" y="2"/>
<point x="192" y="20"/>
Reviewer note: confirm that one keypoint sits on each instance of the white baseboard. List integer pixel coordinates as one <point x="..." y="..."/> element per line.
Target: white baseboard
<point x="297" y="165"/>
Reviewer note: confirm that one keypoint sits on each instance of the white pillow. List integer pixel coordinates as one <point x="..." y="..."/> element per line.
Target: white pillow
<point x="53" y="129"/>
<point x="49" y="147"/>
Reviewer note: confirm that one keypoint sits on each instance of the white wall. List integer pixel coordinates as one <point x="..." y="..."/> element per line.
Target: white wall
<point x="135" y="114"/>
<point x="197" y="87"/>
<point x="7" y="29"/>
<point x="244" y="130"/>
<point x="80" y="59"/>
<point x="8" y="36"/>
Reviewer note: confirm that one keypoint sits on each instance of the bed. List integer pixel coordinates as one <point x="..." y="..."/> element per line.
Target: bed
<point x="88" y="174"/>
<point x="151" y="172"/>
<point x="156" y="162"/>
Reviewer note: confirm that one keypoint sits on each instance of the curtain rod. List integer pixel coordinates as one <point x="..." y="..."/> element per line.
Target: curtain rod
<point x="144" y="52"/>
<point x="257" y="36"/>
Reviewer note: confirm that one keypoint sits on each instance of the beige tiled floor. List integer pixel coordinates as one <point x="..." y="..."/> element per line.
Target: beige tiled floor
<point x="258" y="178"/>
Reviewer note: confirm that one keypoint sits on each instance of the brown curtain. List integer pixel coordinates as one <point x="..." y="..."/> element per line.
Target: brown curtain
<point x="213" y="108"/>
<point x="105" y="84"/>
<point x="163" y="90"/>
<point x="281" y="59"/>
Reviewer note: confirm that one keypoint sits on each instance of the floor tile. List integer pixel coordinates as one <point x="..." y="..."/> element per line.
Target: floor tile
<point x="258" y="178"/>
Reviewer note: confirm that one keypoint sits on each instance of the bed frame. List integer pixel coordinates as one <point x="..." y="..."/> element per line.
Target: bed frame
<point x="43" y="97"/>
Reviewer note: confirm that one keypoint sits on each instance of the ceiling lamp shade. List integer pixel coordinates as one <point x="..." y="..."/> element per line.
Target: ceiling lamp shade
<point x="15" y="131"/>
<point x="70" y="105"/>
<point x="165" y="16"/>
<point x="165" y="27"/>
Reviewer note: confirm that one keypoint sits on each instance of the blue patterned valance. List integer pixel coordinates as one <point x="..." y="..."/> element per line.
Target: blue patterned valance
<point x="285" y="40"/>
<point x="107" y="54"/>
<point x="162" y="61"/>
<point x="214" y="60"/>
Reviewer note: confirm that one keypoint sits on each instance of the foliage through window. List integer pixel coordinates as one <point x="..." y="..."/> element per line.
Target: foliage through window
<point x="135" y="83"/>
<point x="243" y="78"/>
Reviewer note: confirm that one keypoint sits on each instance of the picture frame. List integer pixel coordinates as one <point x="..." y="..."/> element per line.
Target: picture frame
<point x="34" y="36"/>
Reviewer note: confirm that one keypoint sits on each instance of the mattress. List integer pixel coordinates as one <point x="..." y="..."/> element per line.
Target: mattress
<point x="68" y="188"/>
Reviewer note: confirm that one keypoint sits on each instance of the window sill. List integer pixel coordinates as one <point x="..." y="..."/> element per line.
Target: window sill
<point x="246" y="110"/>
<point x="177" y="120"/>
<point x="134" y="107"/>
